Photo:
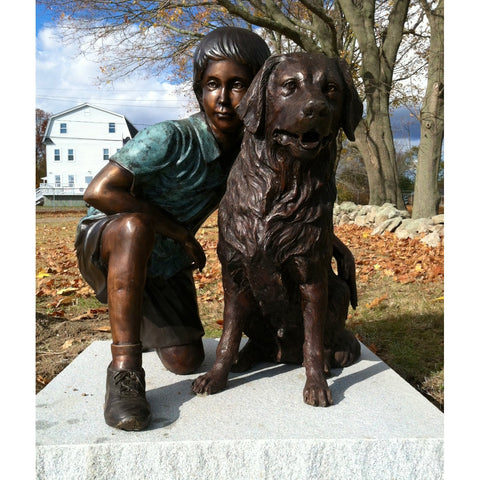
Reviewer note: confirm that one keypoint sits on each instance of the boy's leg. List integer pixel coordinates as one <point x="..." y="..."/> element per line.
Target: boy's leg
<point x="171" y="323"/>
<point x="127" y="243"/>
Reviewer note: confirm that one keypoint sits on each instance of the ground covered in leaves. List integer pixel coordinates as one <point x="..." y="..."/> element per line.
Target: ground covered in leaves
<point x="399" y="317"/>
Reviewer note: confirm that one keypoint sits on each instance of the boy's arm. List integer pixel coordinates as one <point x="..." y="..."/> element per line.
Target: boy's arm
<point x="110" y="193"/>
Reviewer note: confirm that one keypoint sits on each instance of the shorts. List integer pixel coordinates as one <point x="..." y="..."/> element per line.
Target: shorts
<point x="170" y="309"/>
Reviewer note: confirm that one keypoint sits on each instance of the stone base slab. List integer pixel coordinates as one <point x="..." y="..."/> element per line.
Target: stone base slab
<point x="379" y="427"/>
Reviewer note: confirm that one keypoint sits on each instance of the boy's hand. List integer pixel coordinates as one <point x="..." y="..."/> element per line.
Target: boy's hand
<point x="195" y="252"/>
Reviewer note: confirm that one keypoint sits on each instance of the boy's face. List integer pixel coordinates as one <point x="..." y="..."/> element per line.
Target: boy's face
<point x="224" y="84"/>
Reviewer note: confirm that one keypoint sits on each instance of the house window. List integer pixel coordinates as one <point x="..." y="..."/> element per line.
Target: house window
<point x="111" y="128"/>
<point x="70" y="154"/>
<point x="56" y="155"/>
<point x="63" y="128"/>
<point x="71" y="180"/>
<point x="57" y="180"/>
<point x="88" y="179"/>
<point x="106" y="154"/>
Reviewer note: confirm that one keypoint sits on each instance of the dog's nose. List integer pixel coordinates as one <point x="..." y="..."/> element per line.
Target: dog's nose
<point x="315" y="108"/>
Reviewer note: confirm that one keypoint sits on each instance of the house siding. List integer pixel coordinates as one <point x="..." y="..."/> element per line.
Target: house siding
<point x="82" y="148"/>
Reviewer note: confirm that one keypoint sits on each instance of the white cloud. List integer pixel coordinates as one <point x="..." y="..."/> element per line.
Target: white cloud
<point x="65" y="77"/>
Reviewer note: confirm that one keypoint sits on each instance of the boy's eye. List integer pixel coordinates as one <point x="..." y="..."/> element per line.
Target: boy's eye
<point x="211" y="84"/>
<point x="238" y="85"/>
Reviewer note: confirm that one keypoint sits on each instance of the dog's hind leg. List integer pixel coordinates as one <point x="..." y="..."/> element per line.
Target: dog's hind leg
<point x="252" y="353"/>
<point x="345" y="350"/>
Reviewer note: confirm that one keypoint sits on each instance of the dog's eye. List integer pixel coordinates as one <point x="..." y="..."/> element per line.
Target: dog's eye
<point x="289" y="87"/>
<point x="332" y="88"/>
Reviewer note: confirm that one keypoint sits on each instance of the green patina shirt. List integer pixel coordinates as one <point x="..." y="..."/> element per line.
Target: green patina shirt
<point x="177" y="165"/>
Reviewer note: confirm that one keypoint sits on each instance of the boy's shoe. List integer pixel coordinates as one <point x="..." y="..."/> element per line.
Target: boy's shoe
<point x="125" y="404"/>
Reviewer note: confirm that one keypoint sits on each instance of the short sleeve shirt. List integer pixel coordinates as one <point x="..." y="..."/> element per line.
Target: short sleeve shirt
<point x="177" y="166"/>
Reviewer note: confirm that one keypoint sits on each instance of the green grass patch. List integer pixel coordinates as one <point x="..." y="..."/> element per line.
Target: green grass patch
<point x="404" y="325"/>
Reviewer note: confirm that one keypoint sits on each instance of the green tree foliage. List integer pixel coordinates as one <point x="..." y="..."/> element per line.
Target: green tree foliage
<point x="351" y="176"/>
<point x="407" y="165"/>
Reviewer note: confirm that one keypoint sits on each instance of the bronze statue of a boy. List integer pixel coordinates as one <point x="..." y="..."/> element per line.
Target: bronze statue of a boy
<point x="136" y="246"/>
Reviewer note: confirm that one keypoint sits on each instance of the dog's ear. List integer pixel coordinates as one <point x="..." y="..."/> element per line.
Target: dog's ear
<point x="352" y="108"/>
<point x="251" y="109"/>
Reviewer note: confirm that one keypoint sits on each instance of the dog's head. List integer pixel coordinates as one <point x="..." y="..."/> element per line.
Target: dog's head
<point x="300" y="100"/>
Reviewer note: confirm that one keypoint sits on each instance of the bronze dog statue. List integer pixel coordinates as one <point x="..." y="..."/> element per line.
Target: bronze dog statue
<point x="276" y="226"/>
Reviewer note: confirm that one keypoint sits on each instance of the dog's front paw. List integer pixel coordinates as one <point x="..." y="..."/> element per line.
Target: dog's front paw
<point x="209" y="384"/>
<point x="317" y="393"/>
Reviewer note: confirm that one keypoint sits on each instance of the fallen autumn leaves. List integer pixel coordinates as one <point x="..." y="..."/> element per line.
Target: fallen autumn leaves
<point x="69" y="317"/>
<point x="405" y="261"/>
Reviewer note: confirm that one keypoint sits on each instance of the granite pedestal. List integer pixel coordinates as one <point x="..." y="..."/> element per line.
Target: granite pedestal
<point x="379" y="427"/>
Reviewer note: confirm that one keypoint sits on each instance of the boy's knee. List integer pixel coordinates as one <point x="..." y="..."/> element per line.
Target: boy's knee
<point x="182" y="359"/>
<point x="134" y="225"/>
<point x="131" y="231"/>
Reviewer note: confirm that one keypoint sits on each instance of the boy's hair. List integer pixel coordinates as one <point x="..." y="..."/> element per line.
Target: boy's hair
<point x="225" y="43"/>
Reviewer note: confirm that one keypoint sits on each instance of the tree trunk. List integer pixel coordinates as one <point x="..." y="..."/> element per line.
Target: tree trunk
<point x="426" y="195"/>
<point x="375" y="140"/>
<point x="373" y="136"/>
<point x="375" y="144"/>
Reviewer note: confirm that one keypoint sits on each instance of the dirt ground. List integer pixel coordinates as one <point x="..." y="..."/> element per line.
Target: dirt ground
<point x="59" y="341"/>
<point x="399" y="317"/>
<point x="59" y="338"/>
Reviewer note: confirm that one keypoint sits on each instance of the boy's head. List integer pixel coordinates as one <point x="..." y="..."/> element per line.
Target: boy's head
<point x="228" y="43"/>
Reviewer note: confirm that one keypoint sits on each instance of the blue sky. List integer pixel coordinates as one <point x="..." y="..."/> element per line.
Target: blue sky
<point x="42" y="17"/>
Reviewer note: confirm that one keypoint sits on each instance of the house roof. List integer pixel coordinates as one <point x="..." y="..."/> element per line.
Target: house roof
<point x="133" y="131"/>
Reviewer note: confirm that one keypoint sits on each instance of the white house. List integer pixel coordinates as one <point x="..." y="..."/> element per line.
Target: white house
<point x="79" y="142"/>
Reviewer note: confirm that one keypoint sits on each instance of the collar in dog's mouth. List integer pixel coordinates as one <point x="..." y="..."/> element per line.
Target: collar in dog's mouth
<point x="310" y="140"/>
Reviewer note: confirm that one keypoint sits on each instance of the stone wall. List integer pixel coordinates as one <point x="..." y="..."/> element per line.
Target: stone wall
<point x="387" y="218"/>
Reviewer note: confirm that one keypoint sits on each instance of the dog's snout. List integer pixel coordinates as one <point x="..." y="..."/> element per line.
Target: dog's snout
<point x="315" y="108"/>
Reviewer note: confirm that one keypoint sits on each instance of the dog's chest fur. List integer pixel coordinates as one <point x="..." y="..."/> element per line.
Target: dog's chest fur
<point x="278" y="212"/>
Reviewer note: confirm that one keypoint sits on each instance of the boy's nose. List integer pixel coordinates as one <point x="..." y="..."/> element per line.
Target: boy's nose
<point x="223" y="97"/>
